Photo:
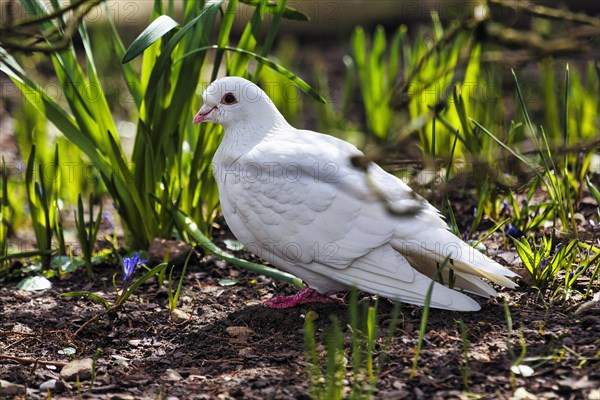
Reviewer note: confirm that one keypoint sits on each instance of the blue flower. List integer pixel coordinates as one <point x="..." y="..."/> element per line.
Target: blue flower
<point x="557" y="248"/>
<point x="106" y="216"/>
<point x="572" y="273"/>
<point x="543" y="264"/>
<point x="129" y="264"/>
<point x="513" y="231"/>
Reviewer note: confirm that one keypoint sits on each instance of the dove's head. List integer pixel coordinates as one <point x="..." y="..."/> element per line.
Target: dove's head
<point x="236" y="102"/>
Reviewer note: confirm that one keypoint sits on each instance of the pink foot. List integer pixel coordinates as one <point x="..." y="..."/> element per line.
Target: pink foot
<point x="306" y="295"/>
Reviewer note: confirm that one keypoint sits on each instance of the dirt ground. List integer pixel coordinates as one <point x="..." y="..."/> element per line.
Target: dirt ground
<point x="229" y="346"/>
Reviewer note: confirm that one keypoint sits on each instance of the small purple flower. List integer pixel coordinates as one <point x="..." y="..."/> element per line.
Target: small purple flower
<point x="474" y="211"/>
<point x="543" y="264"/>
<point x="106" y="216"/>
<point x="577" y="271"/>
<point x="129" y="264"/>
<point x="592" y="224"/>
<point x="524" y="203"/>
<point x="505" y="209"/>
<point x="558" y="246"/>
<point x="513" y="231"/>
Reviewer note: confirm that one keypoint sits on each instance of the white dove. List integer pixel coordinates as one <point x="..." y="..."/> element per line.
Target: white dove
<point x="293" y="198"/>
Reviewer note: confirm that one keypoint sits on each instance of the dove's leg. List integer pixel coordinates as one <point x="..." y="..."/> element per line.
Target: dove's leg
<point x="306" y="295"/>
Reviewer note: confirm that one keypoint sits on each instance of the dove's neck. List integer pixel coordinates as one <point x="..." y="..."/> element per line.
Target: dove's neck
<point x="242" y="135"/>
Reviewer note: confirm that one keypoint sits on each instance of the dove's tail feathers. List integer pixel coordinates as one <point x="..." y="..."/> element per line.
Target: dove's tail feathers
<point x="386" y="272"/>
<point x="457" y="279"/>
<point x="466" y="261"/>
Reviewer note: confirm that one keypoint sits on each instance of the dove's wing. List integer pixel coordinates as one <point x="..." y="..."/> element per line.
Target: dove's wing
<point x="296" y="201"/>
<point x="305" y="201"/>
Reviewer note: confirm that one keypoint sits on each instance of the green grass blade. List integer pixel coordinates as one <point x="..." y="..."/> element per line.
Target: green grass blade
<point x="305" y="87"/>
<point x="506" y="147"/>
<point x="593" y="189"/>
<point x="224" y="32"/>
<point x="288" y="12"/>
<point x="92" y="296"/>
<point x="271" y="34"/>
<point x="156" y="30"/>
<point x="149" y="274"/>
<point x="566" y="116"/>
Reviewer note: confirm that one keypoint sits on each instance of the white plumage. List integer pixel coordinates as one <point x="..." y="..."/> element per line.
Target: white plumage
<point x="293" y="198"/>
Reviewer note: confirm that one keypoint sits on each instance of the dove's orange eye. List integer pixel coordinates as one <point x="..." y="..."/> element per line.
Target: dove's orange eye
<point x="228" y="98"/>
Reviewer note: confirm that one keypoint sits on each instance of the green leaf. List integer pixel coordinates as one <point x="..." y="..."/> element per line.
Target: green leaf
<point x="233" y="245"/>
<point x="165" y="56"/>
<point x="157" y="29"/>
<point x="66" y="263"/>
<point x="288" y="12"/>
<point x="149" y="274"/>
<point x="91" y="296"/>
<point x="305" y="87"/>
<point x="131" y="78"/>
<point x="593" y="189"/>
<point x="34" y="283"/>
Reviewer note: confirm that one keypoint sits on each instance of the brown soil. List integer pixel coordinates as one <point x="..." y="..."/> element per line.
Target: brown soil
<point x="232" y="347"/>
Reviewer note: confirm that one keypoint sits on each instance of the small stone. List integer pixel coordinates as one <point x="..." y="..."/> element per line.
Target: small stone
<point x="173" y="375"/>
<point x="522" y="394"/>
<point x="587" y="307"/>
<point x="399" y="385"/>
<point x="54" y="385"/>
<point x="81" y="368"/>
<point x="120" y="360"/>
<point x="179" y="316"/>
<point x="51" y="384"/>
<point x="247" y="352"/>
<point x="11" y="389"/>
<point x="241" y="332"/>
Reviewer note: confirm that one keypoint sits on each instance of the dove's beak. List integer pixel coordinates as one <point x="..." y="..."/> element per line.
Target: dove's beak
<point x="205" y="110"/>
